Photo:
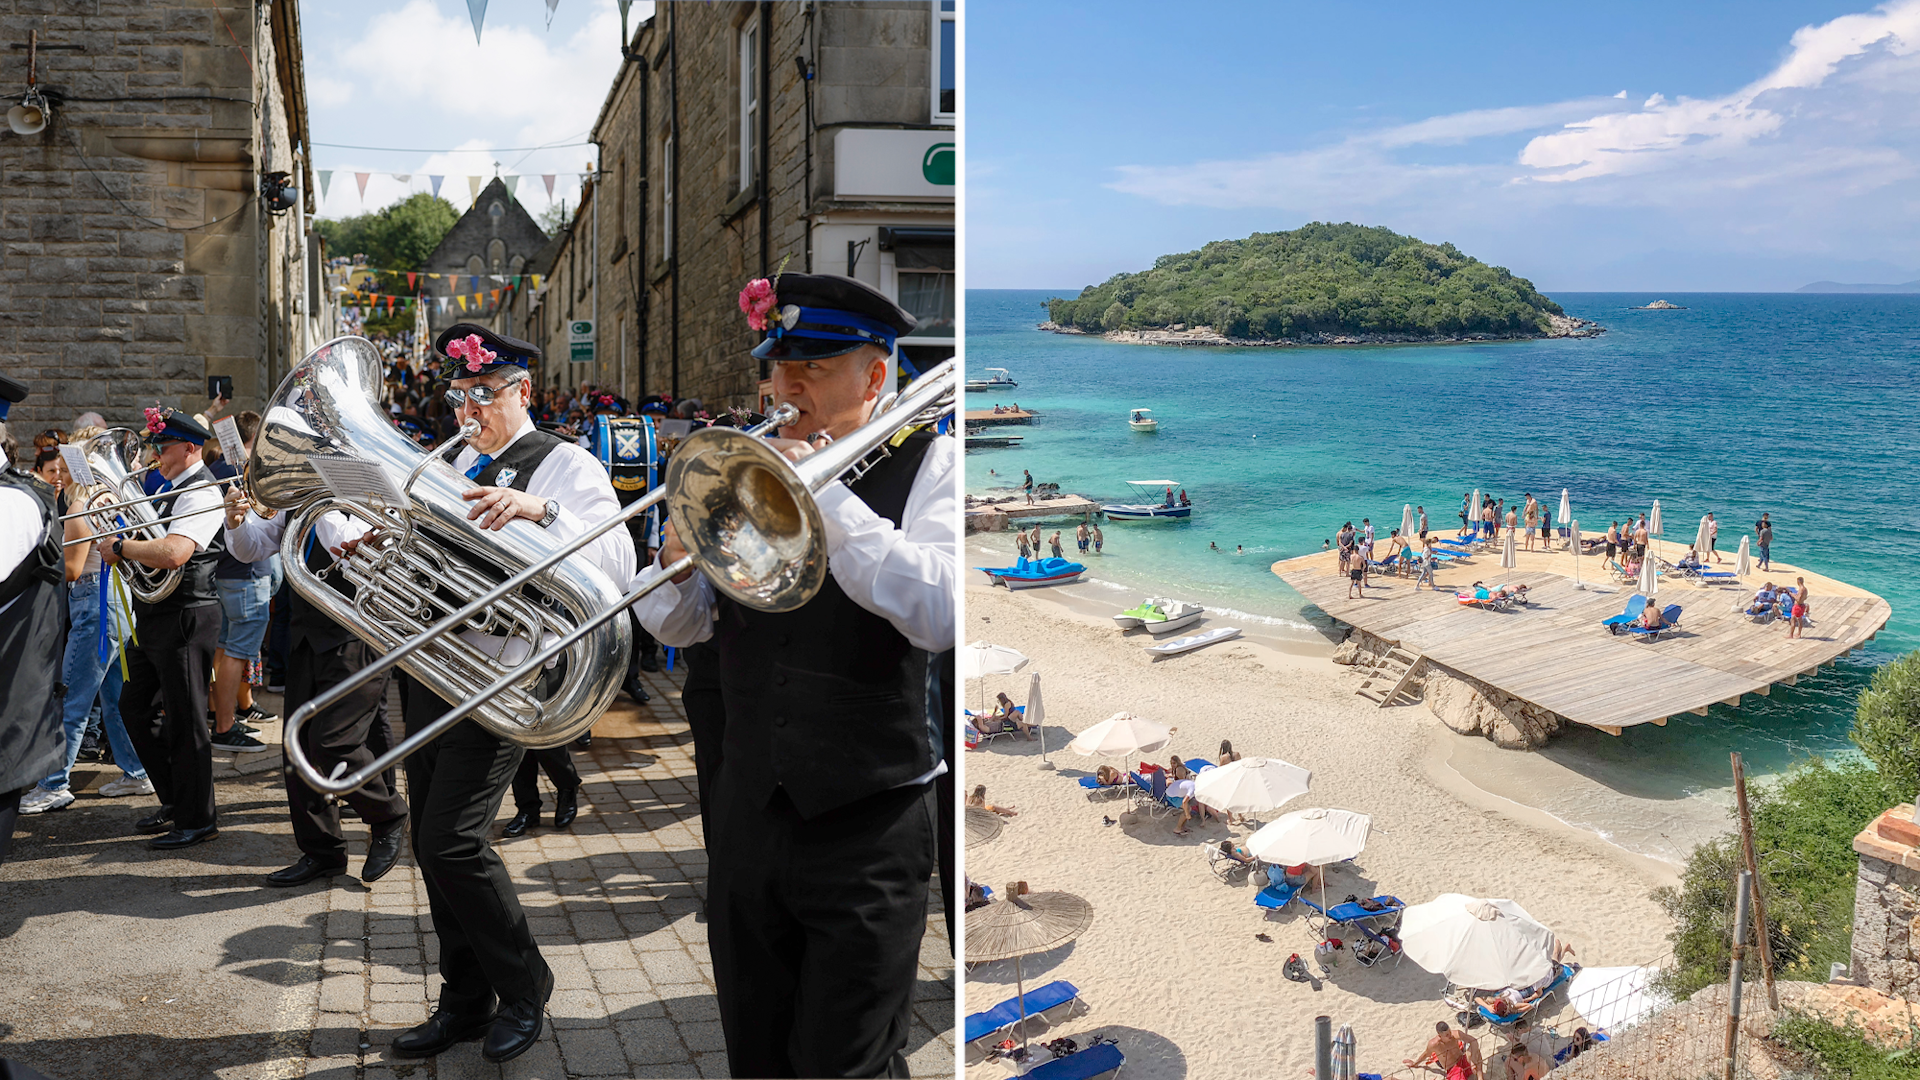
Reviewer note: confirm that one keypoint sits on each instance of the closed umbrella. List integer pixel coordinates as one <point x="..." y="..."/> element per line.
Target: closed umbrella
<point x="1649" y="576"/>
<point x="980" y="659"/>
<point x="1573" y="540"/>
<point x="1015" y="926"/>
<point x="1343" y="1054"/>
<point x="1509" y="557"/>
<point x="1482" y="944"/>
<point x="1406" y="520"/>
<point x="1653" y="524"/>
<point x="1473" y="513"/>
<point x="1036" y="715"/>
<point x="1121" y="735"/>
<point x="1743" y="562"/>
<point x="983" y="826"/>
<point x="1251" y="785"/>
<point x="1700" y="538"/>
<point x="1566" y="513"/>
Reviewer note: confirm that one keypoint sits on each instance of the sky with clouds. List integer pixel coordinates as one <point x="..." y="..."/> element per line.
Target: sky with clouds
<point x="1708" y="146"/>
<point x="409" y="75"/>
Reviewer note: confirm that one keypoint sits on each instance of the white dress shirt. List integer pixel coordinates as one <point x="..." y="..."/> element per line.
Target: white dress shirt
<point x="908" y="576"/>
<point x="21" y="511"/>
<point x="572" y="475"/>
<point x="204" y="505"/>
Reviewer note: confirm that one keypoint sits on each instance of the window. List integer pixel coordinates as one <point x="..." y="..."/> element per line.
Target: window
<point x="946" y="65"/>
<point x="749" y="103"/>
<point x="497" y="256"/>
<point x="666" y="197"/>
<point x="928" y="297"/>
<point x="475" y="265"/>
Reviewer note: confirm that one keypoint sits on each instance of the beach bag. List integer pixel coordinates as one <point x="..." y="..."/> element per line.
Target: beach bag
<point x="1296" y="969"/>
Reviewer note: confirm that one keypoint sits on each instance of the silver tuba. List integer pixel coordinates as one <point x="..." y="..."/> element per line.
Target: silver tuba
<point x="120" y="505"/>
<point x="437" y="561"/>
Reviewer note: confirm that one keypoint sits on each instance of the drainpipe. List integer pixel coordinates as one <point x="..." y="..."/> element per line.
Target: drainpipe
<point x="679" y="151"/>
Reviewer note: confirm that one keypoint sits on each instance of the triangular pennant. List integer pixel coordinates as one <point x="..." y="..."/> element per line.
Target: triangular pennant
<point x="403" y="177"/>
<point x="473" y="282"/>
<point x="435" y="181"/>
<point x="473" y="187"/>
<point x="547" y="178"/>
<point x="513" y="184"/>
<point x="326" y="177"/>
<point x="463" y="301"/>
<point x="496" y="296"/>
<point x="410" y="277"/>
<point x="551" y="5"/>
<point x="477" y="9"/>
<point x="361" y="179"/>
<point x="536" y="281"/>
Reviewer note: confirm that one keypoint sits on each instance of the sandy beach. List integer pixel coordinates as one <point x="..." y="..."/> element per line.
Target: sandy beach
<point x="1172" y="966"/>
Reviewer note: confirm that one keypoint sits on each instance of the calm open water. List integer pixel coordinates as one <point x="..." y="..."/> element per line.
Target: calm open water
<point x="1799" y="405"/>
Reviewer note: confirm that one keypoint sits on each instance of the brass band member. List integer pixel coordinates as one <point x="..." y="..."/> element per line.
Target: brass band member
<point x="33" y="630"/>
<point x="822" y="827"/>
<point x="321" y="653"/>
<point x="456" y="782"/>
<point x="173" y="640"/>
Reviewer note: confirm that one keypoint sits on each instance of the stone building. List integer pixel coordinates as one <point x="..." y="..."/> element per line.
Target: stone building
<point x="739" y="138"/>
<point x="490" y="244"/>
<point x="142" y="246"/>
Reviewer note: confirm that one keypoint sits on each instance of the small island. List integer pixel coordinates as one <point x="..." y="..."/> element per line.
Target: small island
<point x="1321" y="284"/>
<point x="1659" y="305"/>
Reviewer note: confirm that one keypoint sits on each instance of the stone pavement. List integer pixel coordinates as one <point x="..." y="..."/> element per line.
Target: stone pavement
<point x="122" y="962"/>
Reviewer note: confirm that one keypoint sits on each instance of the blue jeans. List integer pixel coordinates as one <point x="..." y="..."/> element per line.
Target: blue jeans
<point x="86" y="676"/>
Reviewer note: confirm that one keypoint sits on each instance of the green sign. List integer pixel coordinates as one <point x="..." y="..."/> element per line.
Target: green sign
<point x="580" y="341"/>
<point x="937" y="164"/>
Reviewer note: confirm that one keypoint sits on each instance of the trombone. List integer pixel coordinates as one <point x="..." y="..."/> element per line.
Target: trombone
<point x="138" y="525"/>
<point x="746" y="514"/>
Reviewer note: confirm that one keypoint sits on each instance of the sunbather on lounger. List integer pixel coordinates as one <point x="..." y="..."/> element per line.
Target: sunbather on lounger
<point x="1008" y="717"/>
<point x="1763" y="600"/>
<point x="979" y="800"/>
<point x="1236" y="853"/>
<point x="1651" y="619"/>
<point x="1517" y="593"/>
<point x="1108" y="776"/>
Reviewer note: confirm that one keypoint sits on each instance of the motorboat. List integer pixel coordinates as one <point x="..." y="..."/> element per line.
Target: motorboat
<point x="1145" y="511"/>
<point x="997" y="379"/>
<point x="1032" y="573"/>
<point x="1196" y="641"/>
<point x="1142" y="420"/>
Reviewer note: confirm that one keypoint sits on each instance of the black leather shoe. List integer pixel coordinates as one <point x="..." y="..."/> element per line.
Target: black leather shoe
<point x="441" y="1032"/>
<point x="649" y="662"/>
<point x="584" y="742"/>
<point x="636" y="691"/>
<point x="517" y="1026"/>
<point x="383" y="851"/>
<point x="180" y="838"/>
<point x="566" y="807"/>
<point x="304" y="871"/>
<point x="521" y="822"/>
<point x="154" y="822"/>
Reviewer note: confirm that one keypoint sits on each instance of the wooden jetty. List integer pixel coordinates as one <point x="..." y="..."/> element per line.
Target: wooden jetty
<point x="1554" y="653"/>
<point x="988" y="416"/>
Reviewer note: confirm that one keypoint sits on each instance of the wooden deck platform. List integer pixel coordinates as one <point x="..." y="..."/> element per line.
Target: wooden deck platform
<point x="1555" y="654"/>
<point x="988" y="416"/>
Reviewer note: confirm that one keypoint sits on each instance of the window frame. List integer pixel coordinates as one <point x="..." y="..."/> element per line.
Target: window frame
<point x="666" y="197"/>
<point x="747" y="101"/>
<point x="935" y="51"/>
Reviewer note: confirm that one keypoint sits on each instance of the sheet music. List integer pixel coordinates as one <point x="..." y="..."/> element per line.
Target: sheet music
<point x="363" y="482"/>
<point x="77" y="466"/>
<point x="231" y="445"/>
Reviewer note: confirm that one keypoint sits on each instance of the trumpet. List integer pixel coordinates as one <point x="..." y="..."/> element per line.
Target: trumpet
<point x="746" y="515"/>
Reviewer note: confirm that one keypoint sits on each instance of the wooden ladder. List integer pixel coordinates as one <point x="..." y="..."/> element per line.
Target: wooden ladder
<point x="1397" y="661"/>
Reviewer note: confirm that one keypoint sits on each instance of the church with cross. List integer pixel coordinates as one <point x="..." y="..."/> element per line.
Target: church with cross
<point x="481" y="257"/>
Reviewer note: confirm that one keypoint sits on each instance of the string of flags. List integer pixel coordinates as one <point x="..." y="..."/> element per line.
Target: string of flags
<point x="474" y="182"/>
<point x="371" y="302"/>
<point x="473" y="280"/>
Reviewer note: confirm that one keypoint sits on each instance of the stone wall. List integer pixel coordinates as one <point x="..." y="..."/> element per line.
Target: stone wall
<point x="1886" y="905"/>
<point x="134" y="258"/>
<point x="1464" y="704"/>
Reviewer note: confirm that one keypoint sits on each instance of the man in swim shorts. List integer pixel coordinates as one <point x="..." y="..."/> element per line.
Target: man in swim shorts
<point x="1452" y="1051"/>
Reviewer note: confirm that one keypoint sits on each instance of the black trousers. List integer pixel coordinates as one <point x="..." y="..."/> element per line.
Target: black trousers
<point x="9" y="817"/>
<point x="707" y="719"/>
<point x="815" y="927"/>
<point x="455" y="784"/>
<point x="168" y="670"/>
<point x="341" y="733"/>
<point x="556" y="762"/>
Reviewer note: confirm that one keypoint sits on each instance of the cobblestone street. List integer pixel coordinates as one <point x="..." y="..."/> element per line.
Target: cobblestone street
<point x="124" y="962"/>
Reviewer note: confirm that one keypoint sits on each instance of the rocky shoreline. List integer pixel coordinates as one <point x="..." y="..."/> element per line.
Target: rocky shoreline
<point x="1561" y="326"/>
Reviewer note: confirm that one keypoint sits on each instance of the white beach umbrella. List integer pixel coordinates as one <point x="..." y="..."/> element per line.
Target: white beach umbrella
<point x="1649" y="577"/>
<point x="1406" y="520"/>
<point x="1573" y="535"/>
<point x="1653" y="525"/>
<point x="1566" y="507"/>
<point x="1317" y="837"/>
<point x="980" y="659"/>
<point x="1343" y="1054"/>
<point x="1037" y="716"/>
<point x="1484" y="944"/>
<point x="1700" y="538"/>
<point x="1509" y="557"/>
<point x="1743" y="562"/>
<point x="1121" y="735"/>
<point x="1473" y="512"/>
<point x="1251" y="785"/>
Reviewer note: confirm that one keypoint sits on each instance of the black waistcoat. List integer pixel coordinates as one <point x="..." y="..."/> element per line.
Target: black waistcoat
<point x="308" y="623"/>
<point x="196" y="581"/>
<point x="829" y="701"/>
<point x="523" y="457"/>
<point x="33" y="636"/>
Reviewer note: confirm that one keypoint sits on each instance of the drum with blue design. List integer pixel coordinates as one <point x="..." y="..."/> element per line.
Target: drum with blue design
<point x="627" y="448"/>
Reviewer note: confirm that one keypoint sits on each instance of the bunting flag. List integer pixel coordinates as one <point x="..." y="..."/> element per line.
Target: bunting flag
<point x="551" y="6"/>
<point x="436" y="183"/>
<point x="473" y="182"/>
<point x="361" y="178"/>
<point x="410" y="277"/>
<point x="403" y="177"/>
<point x="513" y="184"/>
<point x="496" y="296"/>
<point x="473" y="282"/>
<point x="477" y="9"/>
<point x="548" y="178"/>
<point x="326" y="177"/>
<point x="463" y="301"/>
<point x="536" y="281"/>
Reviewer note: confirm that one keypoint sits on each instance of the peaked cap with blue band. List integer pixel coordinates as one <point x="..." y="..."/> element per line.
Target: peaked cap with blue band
<point x="820" y="315"/>
<point x="11" y="390"/>
<point x="508" y="352"/>
<point x="180" y="428"/>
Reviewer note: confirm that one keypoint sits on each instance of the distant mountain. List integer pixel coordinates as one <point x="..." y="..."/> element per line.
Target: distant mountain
<point x="1838" y="287"/>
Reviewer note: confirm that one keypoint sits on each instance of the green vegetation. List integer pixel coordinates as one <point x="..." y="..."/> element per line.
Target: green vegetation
<point x="1845" y="1052"/>
<point x="1803" y="830"/>
<point x="1318" y="279"/>
<point x="397" y="237"/>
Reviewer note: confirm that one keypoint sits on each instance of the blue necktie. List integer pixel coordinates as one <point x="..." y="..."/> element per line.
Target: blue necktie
<point x="479" y="463"/>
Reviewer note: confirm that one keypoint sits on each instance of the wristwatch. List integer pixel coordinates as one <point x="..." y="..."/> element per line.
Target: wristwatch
<point x="118" y="543"/>
<point x="552" y="515"/>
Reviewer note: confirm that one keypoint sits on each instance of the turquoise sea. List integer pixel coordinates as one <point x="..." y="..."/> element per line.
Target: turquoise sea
<point x="1798" y="405"/>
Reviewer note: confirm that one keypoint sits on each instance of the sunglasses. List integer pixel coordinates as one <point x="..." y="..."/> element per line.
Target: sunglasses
<point x="479" y="395"/>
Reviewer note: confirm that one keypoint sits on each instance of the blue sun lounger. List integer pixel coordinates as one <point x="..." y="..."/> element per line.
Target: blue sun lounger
<point x="982" y="1025"/>
<point x="1085" y="1065"/>
<point x="1498" y="1021"/>
<point x="1671" y="615"/>
<point x="1636" y="604"/>
<point x="1276" y="897"/>
<point x="1562" y="1055"/>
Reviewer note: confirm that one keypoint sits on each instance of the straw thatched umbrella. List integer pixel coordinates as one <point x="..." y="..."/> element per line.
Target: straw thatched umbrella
<point x="983" y="826"/>
<point x="1016" y="926"/>
<point x="1743" y="562"/>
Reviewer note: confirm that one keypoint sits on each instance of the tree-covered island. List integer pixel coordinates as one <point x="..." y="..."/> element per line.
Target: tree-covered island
<point x="1316" y="285"/>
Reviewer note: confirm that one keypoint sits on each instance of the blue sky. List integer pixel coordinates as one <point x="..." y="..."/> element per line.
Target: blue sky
<point x="409" y="75"/>
<point x="1756" y="145"/>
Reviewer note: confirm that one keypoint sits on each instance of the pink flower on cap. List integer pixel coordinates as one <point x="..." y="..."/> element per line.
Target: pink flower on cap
<point x="757" y="300"/>
<point x="156" y="421"/>
<point x="473" y="349"/>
